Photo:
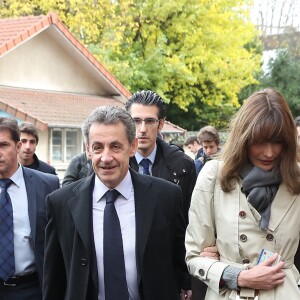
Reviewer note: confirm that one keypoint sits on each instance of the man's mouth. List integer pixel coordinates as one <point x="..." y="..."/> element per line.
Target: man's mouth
<point x="107" y="167"/>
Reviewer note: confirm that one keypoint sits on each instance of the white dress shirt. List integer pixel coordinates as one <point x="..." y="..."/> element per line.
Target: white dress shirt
<point x="125" y="208"/>
<point x="24" y="257"/>
<point x="151" y="157"/>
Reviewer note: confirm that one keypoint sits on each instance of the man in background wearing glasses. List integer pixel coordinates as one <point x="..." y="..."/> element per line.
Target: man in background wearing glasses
<point x="165" y="161"/>
<point x="154" y="156"/>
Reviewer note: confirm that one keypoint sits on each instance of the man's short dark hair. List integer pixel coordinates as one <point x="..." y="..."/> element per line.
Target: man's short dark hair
<point x="191" y="140"/>
<point x="148" y="98"/>
<point x="12" y="126"/>
<point x="29" y="128"/>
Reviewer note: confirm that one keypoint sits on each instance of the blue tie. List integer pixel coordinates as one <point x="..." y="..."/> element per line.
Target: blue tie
<point x="145" y="163"/>
<point x="113" y="255"/>
<point x="7" y="257"/>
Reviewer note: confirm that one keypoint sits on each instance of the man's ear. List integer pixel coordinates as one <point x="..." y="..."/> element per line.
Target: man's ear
<point x="161" y="124"/>
<point x="133" y="147"/>
<point x="18" y="145"/>
<point x="87" y="151"/>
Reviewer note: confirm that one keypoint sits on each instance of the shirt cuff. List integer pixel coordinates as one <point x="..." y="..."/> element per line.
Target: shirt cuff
<point x="230" y="276"/>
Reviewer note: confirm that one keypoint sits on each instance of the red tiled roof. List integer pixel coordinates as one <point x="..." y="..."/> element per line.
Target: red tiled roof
<point x="172" y="128"/>
<point x="44" y="108"/>
<point x="13" y="32"/>
<point x="51" y="109"/>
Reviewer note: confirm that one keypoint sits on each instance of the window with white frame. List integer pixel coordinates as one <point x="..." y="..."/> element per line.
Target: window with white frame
<point x="66" y="143"/>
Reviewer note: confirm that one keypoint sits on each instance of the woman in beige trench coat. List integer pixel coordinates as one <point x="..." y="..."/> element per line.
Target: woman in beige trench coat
<point x="249" y="201"/>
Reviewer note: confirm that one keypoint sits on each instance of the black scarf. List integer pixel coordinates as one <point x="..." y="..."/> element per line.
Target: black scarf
<point x="260" y="187"/>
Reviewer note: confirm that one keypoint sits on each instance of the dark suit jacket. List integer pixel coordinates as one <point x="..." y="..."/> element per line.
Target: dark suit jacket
<point x="38" y="186"/>
<point x="70" y="270"/>
<point x="175" y="166"/>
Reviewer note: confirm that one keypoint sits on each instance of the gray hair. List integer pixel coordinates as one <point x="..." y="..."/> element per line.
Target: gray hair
<point x="109" y="115"/>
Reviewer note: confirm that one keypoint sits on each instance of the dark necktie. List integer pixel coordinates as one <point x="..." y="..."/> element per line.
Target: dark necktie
<point x="7" y="257"/>
<point x="113" y="255"/>
<point x="145" y="163"/>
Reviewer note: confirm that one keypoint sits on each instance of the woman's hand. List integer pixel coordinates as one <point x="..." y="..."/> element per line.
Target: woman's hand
<point x="210" y="252"/>
<point x="263" y="276"/>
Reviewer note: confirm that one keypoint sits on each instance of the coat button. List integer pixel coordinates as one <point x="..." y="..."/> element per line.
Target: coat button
<point x="83" y="261"/>
<point x="243" y="237"/>
<point x="270" y="237"/>
<point x="201" y="272"/>
<point x="242" y="214"/>
<point x="246" y="260"/>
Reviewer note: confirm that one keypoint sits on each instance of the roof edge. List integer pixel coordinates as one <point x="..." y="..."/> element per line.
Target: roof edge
<point x="23" y="116"/>
<point x="89" y="56"/>
<point x="35" y="29"/>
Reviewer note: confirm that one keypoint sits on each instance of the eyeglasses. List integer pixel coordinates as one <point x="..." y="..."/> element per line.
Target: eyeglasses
<point x="148" y="121"/>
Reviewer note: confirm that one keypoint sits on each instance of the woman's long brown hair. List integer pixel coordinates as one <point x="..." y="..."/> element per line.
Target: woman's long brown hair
<point x="264" y="117"/>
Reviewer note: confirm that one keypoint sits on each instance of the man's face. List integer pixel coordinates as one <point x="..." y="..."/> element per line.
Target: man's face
<point x="110" y="151"/>
<point x="146" y="134"/>
<point x="28" y="147"/>
<point x="8" y="154"/>
<point x="210" y="148"/>
<point x="193" y="147"/>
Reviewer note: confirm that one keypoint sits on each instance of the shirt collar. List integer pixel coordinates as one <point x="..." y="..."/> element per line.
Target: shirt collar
<point x="17" y="177"/>
<point x="124" y="187"/>
<point x="151" y="157"/>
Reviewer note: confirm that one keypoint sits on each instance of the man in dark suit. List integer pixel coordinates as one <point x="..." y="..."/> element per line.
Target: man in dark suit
<point x="21" y="256"/>
<point x="151" y="225"/>
<point x="166" y="161"/>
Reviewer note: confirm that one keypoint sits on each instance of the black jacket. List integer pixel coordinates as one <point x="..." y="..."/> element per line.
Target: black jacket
<point x="70" y="260"/>
<point x="79" y="167"/>
<point x="175" y="166"/>
<point x="41" y="166"/>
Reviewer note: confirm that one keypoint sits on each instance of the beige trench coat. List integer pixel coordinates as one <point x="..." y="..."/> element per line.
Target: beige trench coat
<point x="225" y="219"/>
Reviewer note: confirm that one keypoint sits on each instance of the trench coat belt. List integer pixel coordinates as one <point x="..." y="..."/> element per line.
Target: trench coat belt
<point x="244" y="294"/>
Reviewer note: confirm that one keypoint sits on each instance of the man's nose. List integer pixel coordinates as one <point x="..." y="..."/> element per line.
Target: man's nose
<point x="106" y="155"/>
<point x="143" y="126"/>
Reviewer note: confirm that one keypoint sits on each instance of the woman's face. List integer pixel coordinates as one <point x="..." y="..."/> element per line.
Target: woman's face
<point x="265" y="155"/>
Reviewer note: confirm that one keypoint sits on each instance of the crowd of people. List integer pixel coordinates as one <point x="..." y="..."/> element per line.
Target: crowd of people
<point x="136" y="218"/>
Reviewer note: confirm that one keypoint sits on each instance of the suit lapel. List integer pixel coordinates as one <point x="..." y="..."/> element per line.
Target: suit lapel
<point x="32" y="200"/>
<point x="280" y="207"/>
<point x="81" y="210"/>
<point x="145" y="203"/>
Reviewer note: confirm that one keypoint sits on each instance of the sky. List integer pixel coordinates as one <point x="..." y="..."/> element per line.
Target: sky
<point x="281" y="13"/>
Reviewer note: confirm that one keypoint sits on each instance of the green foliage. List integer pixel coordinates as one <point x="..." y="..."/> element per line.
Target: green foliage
<point x="284" y="74"/>
<point x="197" y="54"/>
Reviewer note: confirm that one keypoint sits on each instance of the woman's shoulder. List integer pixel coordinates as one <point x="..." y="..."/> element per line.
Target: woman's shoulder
<point x="212" y="166"/>
<point x="209" y="174"/>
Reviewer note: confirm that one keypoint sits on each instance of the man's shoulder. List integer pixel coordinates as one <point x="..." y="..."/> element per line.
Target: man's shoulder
<point x="36" y="174"/>
<point x="152" y="181"/>
<point x="75" y="187"/>
<point x="46" y="168"/>
<point x="173" y="152"/>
